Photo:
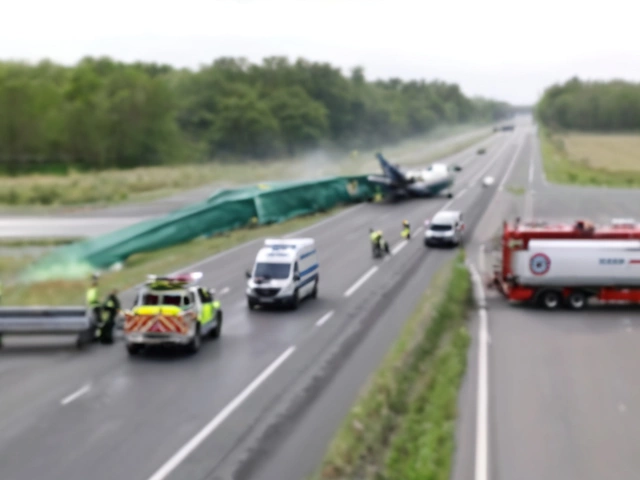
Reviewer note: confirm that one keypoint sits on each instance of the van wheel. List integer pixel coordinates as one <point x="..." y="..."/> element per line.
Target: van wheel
<point x="251" y="304"/>
<point x="194" y="345"/>
<point x="215" y="333"/>
<point x="577" y="300"/>
<point x="550" y="299"/>
<point x="295" y="300"/>
<point x="314" y="292"/>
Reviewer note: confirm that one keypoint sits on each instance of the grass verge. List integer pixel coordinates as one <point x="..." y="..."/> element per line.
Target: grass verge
<point x="137" y="266"/>
<point x="147" y="183"/>
<point x="402" y="425"/>
<point x="591" y="159"/>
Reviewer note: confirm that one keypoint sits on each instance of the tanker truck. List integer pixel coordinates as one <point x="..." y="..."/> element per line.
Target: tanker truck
<point x="566" y="265"/>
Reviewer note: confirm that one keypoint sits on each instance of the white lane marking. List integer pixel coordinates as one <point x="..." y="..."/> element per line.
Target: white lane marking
<point x="324" y="318"/>
<point x="461" y="192"/>
<point x="482" y="407"/>
<point x="418" y="230"/>
<point x="622" y="407"/>
<point x="531" y="167"/>
<point x="77" y="394"/>
<point x="513" y="162"/>
<point x="490" y="163"/>
<point x="398" y="247"/>
<point x="224" y="291"/>
<point x="481" y="258"/>
<point x="171" y="464"/>
<point x="361" y="281"/>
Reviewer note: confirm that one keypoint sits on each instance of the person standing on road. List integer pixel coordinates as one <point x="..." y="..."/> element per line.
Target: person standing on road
<point x="406" y="230"/>
<point x="112" y="308"/>
<point x="93" y="303"/>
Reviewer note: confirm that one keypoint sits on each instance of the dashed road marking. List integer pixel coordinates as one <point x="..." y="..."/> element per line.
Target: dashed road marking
<point x="77" y="394"/>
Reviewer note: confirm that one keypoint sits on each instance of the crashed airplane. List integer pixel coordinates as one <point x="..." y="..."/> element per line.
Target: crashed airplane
<point x="427" y="182"/>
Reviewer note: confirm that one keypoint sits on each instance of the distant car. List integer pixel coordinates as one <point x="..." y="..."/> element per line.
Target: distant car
<point x="487" y="181"/>
<point x="482" y="151"/>
<point x="445" y="228"/>
<point x="508" y="127"/>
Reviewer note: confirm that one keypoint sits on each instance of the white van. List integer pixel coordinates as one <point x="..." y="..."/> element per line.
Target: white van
<point x="445" y="228"/>
<point x="285" y="272"/>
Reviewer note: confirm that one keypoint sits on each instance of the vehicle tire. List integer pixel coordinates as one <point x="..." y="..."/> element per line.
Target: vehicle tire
<point x="295" y="300"/>
<point x="133" y="349"/>
<point x="577" y="300"/>
<point x="314" y="292"/>
<point x="450" y="195"/>
<point x="215" y="333"/>
<point x="550" y="299"/>
<point x="251" y="304"/>
<point x="194" y="345"/>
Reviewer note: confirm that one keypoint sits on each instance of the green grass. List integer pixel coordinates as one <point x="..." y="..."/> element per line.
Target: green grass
<point x="402" y="426"/>
<point x="147" y="183"/>
<point x="71" y="292"/>
<point x="591" y="159"/>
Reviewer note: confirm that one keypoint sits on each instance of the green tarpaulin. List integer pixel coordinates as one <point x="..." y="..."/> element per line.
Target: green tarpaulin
<point x="226" y="210"/>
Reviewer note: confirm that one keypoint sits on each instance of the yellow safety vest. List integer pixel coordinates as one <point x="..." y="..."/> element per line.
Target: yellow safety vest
<point x="92" y="297"/>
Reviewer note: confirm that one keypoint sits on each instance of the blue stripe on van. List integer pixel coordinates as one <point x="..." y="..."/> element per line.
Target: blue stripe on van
<point x="307" y="280"/>
<point x="302" y="257"/>
<point x="308" y="270"/>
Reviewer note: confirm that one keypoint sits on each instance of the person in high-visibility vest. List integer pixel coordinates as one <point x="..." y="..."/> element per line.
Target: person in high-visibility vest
<point x="111" y="307"/>
<point x="93" y="303"/>
<point x="406" y="230"/>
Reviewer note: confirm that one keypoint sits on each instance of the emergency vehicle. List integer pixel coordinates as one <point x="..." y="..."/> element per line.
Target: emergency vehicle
<point x="285" y="271"/>
<point x="568" y="264"/>
<point x="173" y="310"/>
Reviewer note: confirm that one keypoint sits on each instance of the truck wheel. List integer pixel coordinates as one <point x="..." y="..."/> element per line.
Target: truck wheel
<point x="314" y="292"/>
<point x="194" y="345"/>
<point x="550" y="299"/>
<point x="577" y="300"/>
<point x="215" y="333"/>
<point x="133" y="348"/>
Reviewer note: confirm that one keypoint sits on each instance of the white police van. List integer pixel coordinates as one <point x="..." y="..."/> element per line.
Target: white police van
<point x="285" y="272"/>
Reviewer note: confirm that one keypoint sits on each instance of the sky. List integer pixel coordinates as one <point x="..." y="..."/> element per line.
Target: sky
<point x="501" y="49"/>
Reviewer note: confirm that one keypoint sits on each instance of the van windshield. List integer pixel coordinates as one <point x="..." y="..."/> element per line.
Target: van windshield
<point x="440" y="227"/>
<point x="277" y="271"/>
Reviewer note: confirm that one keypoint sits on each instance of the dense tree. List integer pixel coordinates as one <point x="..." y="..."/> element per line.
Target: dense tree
<point x="103" y="113"/>
<point x="591" y="106"/>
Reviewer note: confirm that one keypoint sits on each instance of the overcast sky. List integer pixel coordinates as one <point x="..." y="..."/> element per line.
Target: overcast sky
<point x="502" y="49"/>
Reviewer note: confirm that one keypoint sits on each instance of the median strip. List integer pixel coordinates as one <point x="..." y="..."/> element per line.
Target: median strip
<point x="402" y="424"/>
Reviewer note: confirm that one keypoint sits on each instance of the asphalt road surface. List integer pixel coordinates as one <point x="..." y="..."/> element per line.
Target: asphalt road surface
<point x="234" y="407"/>
<point x="562" y="387"/>
<point x="80" y="222"/>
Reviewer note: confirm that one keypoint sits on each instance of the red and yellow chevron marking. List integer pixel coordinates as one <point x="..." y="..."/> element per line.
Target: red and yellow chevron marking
<point x="158" y="323"/>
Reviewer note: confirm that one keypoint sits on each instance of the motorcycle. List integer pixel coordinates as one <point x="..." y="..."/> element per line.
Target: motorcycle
<point x="378" y="250"/>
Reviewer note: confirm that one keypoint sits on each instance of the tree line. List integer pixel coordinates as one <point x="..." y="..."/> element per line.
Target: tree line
<point x="104" y="113"/>
<point x="591" y="106"/>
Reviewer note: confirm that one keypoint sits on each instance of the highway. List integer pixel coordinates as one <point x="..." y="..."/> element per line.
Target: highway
<point x="562" y="388"/>
<point x="245" y="404"/>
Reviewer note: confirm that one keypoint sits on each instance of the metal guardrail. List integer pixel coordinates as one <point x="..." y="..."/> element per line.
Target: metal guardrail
<point x="48" y="321"/>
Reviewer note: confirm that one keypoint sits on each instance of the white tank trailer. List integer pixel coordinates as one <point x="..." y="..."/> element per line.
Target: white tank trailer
<point x="578" y="263"/>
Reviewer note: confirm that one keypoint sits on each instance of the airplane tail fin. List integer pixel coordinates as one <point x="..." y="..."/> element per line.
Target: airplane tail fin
<point x="393" y="173"/>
